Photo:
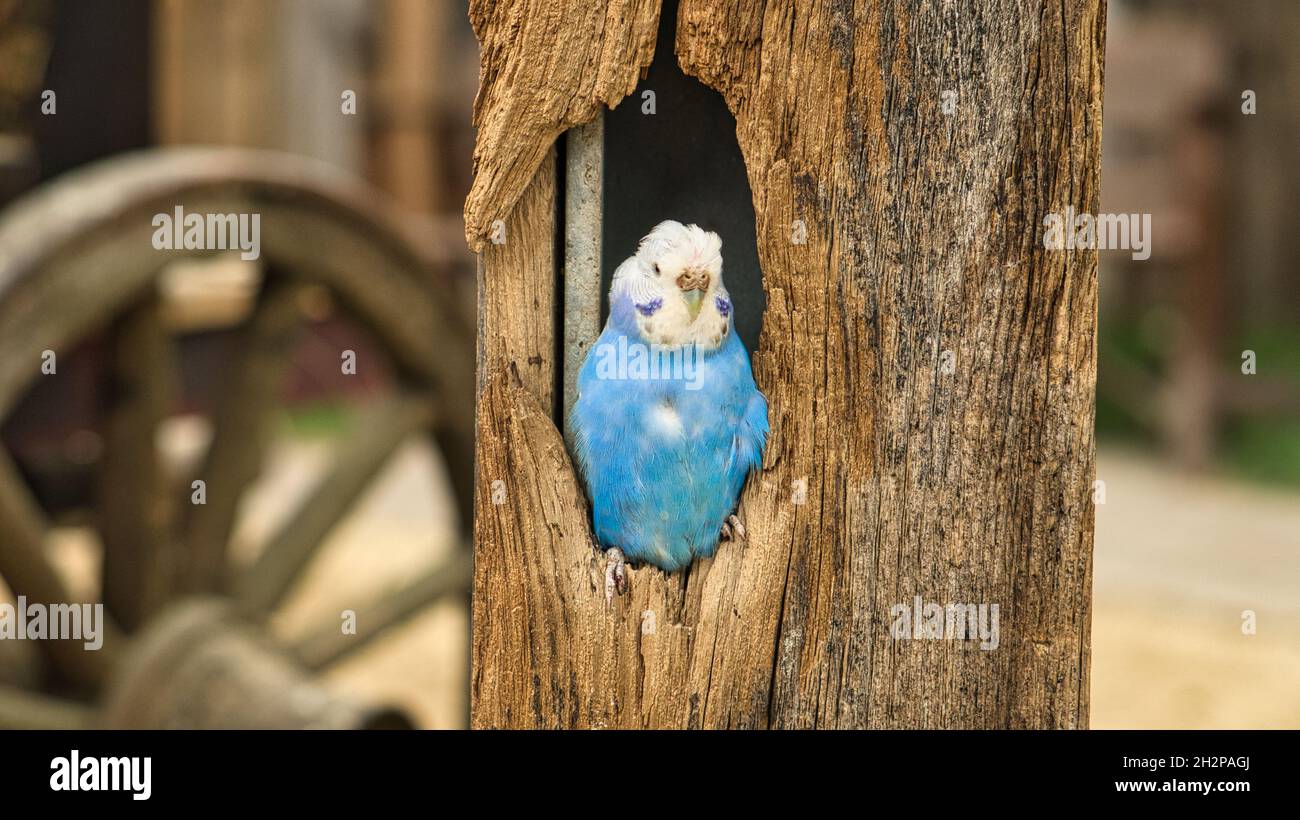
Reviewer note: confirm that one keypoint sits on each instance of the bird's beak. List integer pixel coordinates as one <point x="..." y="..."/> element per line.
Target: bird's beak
<point x="693" y="298"/>
<point x="693" y="285"/>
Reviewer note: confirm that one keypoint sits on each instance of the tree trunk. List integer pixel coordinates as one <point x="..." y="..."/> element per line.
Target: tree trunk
<point x="929" y="368"/>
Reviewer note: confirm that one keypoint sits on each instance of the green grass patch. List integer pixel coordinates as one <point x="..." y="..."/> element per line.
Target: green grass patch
<point x="321" y="420"/>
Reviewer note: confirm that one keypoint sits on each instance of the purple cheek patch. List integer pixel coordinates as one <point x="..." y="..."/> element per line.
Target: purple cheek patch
<point x="649" y="308"/>
<point x="723" y="305"/>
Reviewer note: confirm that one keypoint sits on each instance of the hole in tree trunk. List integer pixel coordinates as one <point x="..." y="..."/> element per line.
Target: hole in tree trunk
<point x="681" y="162"/>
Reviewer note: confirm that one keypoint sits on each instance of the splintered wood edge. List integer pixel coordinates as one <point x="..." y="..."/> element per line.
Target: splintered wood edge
<point x="546" y="66"/>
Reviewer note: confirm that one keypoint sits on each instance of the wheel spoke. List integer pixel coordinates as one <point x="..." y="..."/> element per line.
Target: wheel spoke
<point x="29" y="573"/>
<point x="135" y="505"/>
<point x="242" y="432"/>
<point x="359" y="460"/>
<point x="20" y="709"/>
<point x="327" y="645"/>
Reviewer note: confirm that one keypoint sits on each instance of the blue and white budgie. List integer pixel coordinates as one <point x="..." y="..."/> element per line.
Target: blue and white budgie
<point x="668" y="422"/>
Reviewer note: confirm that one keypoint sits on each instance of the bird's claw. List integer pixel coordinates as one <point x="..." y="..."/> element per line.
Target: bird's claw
<point x="732" y="529"/>
<point x="615" y="574"/>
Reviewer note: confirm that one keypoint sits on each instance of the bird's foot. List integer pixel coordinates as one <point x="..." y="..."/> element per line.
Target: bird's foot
<point x="615" y="574"/>
<point x="732" y="529"/>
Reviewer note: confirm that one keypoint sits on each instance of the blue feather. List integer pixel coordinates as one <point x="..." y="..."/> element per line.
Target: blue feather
<point x="659" y="496"/>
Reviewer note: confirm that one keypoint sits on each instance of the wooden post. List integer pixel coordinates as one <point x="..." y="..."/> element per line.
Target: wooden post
<point x="929" y="366"/>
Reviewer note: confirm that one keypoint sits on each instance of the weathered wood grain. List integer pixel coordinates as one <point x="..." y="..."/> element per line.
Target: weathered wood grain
<point x="545" y="66"/>
<point x="930" y="370"/>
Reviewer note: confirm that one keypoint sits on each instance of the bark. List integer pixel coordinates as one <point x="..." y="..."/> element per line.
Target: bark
<point x="929" y="367"/>
<point x="546" y="66"/>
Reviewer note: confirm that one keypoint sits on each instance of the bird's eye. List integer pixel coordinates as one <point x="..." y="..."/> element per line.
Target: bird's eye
<point x="657" y="269"/>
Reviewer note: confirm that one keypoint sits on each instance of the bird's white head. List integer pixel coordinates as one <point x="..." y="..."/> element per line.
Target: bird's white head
<point x="674" y="286"/>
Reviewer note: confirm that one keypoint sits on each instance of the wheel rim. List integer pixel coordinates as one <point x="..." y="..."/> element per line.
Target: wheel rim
<point x="76" y="257"/>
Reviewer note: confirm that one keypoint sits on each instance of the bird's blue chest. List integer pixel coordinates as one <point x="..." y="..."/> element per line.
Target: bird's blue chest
<point x="659" y="455"/>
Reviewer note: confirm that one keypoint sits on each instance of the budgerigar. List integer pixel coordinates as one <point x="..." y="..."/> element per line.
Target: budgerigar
<point x="668" y="422"/>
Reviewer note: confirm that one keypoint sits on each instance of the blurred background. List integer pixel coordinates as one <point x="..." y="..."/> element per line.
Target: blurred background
<point x="1198" y="520"/>
<point x="140" y="74"/>
<point x="1200" y="460"/>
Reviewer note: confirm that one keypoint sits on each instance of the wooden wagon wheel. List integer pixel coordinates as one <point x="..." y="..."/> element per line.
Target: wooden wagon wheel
<point x="184" y="644"/>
